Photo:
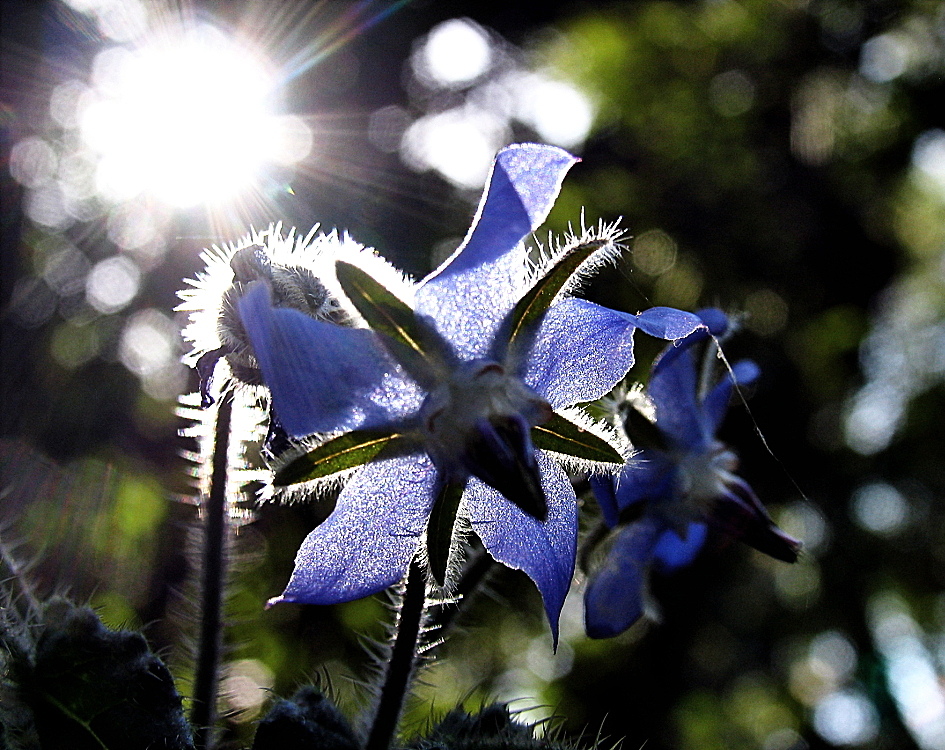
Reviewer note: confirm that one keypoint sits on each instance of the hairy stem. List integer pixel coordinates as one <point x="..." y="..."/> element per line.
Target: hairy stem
<point x="403" y="659"/>
<point x="469" y="585"/>
<point x="214" y="572"/>
<point x="21" y="596"/>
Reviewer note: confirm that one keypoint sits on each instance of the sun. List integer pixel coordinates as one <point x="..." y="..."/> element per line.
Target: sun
<point x="188" y="117"/>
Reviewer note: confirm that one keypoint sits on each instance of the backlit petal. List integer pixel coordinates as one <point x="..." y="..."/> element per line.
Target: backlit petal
<point x="603" y="488"/>
<point x="716" y="401"/>
<point x="368" y="541"/>
<point x="323" y="377"/>
<point x="649" y="476"/>
<point x="614" y="598"/>
<point x="667" y="323"/>
<point x="469" y="295"/>
<point x="545" y="550"/>
<point x="673" y="390"/>
<point x="581" y="352"/>
<point x="672" y="551"/>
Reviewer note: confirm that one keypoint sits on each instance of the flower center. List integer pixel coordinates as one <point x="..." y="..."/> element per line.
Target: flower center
<point x="705" y="476"/>
<point x="478" y="422"/>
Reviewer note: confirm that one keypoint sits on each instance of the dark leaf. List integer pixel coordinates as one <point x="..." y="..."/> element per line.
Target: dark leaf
<point x="563" y="436"/>
<point x="344" y="452"/>
<point x="642" y="432"/>
<point x="413" y="343"/>
<point x="527" y="314"/>
<point x="440" y="528"/>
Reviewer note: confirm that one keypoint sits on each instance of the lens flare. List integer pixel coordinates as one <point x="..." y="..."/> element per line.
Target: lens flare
<point x="187" y="118"/>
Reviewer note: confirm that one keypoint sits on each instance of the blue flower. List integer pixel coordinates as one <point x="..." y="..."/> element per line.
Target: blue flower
<point x="458" y="394"/>
<point x="675" y="488"/>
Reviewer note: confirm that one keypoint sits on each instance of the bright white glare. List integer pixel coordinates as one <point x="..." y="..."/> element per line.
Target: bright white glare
<point x="64" y="102"/>
<point x="928" y="155"/>
<point x="457" y="143"/>
<point x="149" y="348"/>
<point x="122" y="21"/>
<point x="879" y="507"/>
<point x="65" y="270"/>
<point x="874" y="416"/>
<point x="291" y="139"/>
<point x="132" y="226"/>
<point x="455" y="52"/>
<point x="884" y="58"/>
<point x="559" y="113"/>
<point x="33" y="162"/>
<point x="910" y="672"/>
<point x="832" y="656"/>
<point x="112" y="284"/>
<point x="187" y="120"/>
<point x="846" y="717"/>
<point x="46" y="206"/>
<point x="247" y="684"/>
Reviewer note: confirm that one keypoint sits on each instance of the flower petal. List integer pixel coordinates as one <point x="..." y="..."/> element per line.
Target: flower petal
<point x="603" y="489"/>
<point x="667" y="323"/>
<point x="672" y="551"/>
<point x="323" y="377"/>
<point x="649" y="475"/>
<point x="715" y="320"/>
<point x="581" y="352"/>
<point x="544" y="550"/>
<point x="673" y="390"/>
<point x="470" y="294"/>
<point x="368" y="541"/>
<point x="614" y="597"/>
<point x="740" y="514"/>
<point x="716" y="401"/>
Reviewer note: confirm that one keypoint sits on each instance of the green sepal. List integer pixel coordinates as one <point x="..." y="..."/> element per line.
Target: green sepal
<point x="344" y="452"/>
<point x="528" y="312"/>
<point x="561" y="435"/>
<point x="642" y="432"/>
<point x="418" y="348"/>
<point x="440" y="528"/>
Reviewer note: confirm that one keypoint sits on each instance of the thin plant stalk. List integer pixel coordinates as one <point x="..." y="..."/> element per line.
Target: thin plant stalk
<point x="203" y="712"/>
<point x="403" y="659"/>
<point x="476" y="572"/>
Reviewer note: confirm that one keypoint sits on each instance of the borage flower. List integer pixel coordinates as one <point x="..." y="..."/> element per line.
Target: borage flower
<point x="681" y="483"/>
<point x="456" y="400"/>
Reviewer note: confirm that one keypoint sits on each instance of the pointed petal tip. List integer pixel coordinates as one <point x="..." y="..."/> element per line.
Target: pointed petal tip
<point x="536" y="152"/>
<point x="715" y="320"/>
<point x="275" y="600"/>
<point x="669" y="323"/>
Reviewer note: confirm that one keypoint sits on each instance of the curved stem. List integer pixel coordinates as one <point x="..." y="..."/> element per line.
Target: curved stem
<point x="403" y="659"/>
<point x="203" y="711"/>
